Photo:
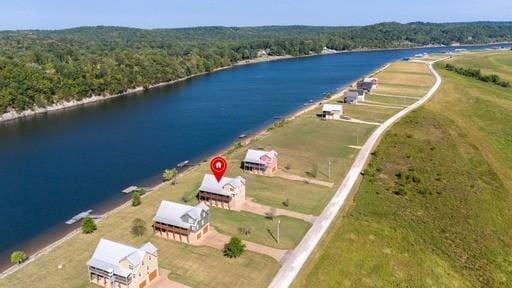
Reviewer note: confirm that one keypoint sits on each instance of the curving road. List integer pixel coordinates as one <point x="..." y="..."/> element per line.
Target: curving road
<point x="296" y="259"/>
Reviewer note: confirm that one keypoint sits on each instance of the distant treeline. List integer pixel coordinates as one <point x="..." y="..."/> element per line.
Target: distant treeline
<point x="44" y="67"/>
<point x="477" y="74"/>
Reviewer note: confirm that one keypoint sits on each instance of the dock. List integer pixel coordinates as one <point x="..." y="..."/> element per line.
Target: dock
<point x="130" y="189"/>
<point x="81" y="216"/>
<point x="183" y="164"/>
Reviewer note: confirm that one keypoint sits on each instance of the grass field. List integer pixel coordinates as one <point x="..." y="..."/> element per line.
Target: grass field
<point x="262" y="232"/>
<point x="405" y="79"/>
<point x="305" y="145"/>
<point x="490" y="63"/>
<point x="433" y="209"/>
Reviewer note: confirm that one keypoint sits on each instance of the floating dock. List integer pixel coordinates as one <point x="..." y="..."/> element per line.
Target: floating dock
<point x="130" y="189"/>
<point x="183" y="164"/>
<point x="81" y="216"/>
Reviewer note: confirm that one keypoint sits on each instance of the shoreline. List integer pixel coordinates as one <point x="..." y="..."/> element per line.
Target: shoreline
<point x="111" y="206"/>
<point x="13" y="115"/>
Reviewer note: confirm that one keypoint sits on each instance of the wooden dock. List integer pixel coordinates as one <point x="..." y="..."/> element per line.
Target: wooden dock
<point x="130" y="189"/>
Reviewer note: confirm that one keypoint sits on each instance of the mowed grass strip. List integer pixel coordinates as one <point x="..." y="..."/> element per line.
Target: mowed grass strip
<point x="368" y="113"/>
<point x="261" y="232"/>
<point x="405" y="79"/>
<point x="390" y="100"/>
<point x="433" y="208"/>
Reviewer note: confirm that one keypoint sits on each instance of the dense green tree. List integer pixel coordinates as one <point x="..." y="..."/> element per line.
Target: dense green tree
<point x="136" y="199"/>
<point x="234" y="248"/>
<point x="88" y="226"/>
<point x="138" y="227"/>
<point x="17" y="257"/>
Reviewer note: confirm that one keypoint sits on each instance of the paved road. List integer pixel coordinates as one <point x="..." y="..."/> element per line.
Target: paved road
<point x="296" y="259"/>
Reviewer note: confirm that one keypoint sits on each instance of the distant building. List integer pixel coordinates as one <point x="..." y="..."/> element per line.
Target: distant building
<point x="228" y="193"/>
<point x="353" y="96"/>
<point x="332" y="111"/>
<point x="366" y="86"/>
<point x="181" y="222"/>
<point x="373" y="80"/>
<point x="260" y="162"/>
<point x="118" y="265"/>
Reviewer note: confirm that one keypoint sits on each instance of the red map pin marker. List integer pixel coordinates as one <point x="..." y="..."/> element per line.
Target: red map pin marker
<point x="218" y="165"/>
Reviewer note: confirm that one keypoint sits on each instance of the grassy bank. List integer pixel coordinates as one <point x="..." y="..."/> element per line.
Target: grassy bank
<point x="433" y="209"/>
<point x="306" y="145"/>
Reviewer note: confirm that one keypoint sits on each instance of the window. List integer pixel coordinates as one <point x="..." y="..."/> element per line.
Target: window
<point x="130" y="267"/>
<point x="142" y="263"/>
<point x="149" y="257"/>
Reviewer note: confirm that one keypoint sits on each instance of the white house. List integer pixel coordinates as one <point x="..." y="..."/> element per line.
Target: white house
<point x="121" y="266"/>
<point x="228" y="193"/>
<point x="332" y="111"/>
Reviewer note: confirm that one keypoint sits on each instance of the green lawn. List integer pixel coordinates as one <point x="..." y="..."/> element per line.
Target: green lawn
<point x="390" y="100"/>
<point x="304" y="145"/>
<point x="433" y="209"/>
<point x="262" y="230"/>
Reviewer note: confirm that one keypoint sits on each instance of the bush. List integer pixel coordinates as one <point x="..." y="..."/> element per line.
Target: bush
<point x="234" y="248"/>
<point x="288" y="166"/>
<point x="314" y="171"/>
<point x="88" y="226"/>
<point x="17" y="257"/>
<point x="136" y="200"/>
<point x="138" y="227"/>
<point x="170" y="175"/>
<point x="244" y="231"/>
<point x="286" y="202"/>
<point x="477" y="74"/>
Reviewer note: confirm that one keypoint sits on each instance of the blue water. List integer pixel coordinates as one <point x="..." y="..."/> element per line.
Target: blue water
<point x="57" y="165"/>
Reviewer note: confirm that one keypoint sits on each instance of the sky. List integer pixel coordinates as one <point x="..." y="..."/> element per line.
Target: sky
<point x="58" y="14"/>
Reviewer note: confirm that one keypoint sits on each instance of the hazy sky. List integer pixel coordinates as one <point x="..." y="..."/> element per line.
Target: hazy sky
<point x="40" y="14"/>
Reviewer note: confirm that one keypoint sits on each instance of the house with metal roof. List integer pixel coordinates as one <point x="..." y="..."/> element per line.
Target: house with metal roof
<point x="260" y="162"/>
<point x="353" y="96"/>
<point x="181" y="222"/>
<point x="117" y="265"/>
<point x="332" y="111"/>
<point x="227" y="193"/>
<point x="367" y="84"/>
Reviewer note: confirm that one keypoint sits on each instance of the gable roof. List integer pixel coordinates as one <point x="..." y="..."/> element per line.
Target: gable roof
<point x="172" y="213"/>
<point x="211" y="185"/>
<point x="331" y="108"/>
<point x="109" y="254"/>
<point x="254" y="156"/>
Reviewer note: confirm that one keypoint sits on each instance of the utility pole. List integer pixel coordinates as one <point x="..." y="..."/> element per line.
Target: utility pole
<point x="329" y="170"/>
<point x="278" y="222"/>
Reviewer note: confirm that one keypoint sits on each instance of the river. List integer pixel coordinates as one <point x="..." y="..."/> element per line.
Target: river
<point x="56" y="165"/>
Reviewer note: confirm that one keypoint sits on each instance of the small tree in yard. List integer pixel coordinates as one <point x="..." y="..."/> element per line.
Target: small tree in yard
<point x="88" y="226"/>
<point x="138" y="227"/>
<point x="234" y="249"/>
<point x="17" y="257"/>
<point x="136" y="200"/>
<point x="170" y="175"/>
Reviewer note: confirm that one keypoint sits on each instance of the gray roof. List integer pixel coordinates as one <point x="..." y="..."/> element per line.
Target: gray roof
<point x="109" y="254"/>
<point x="331" y="108"/>
<point x="173" y="214"/>
<point x="254" y="156"/>
<point x="211" y="185"/>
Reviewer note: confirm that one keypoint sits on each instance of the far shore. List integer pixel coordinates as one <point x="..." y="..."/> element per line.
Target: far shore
<point x="37" y="250"/>
<point x="13" y="115"/>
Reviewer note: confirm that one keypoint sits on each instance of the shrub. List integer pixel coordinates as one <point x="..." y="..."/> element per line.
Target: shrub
<point x="170" y="175"/>
<point x="136" y="200"/>
<point x="138" y="227"/>
<point x="400" y="191"/>
<point x="286" y="202"/>
<point x="314" y="171"/>
<point x="288" y="166"/>
<point x="88" y="226"/>
<point x="234" y="248"/>
<point x="244" y="231"/>
<point x="17" y="257"/>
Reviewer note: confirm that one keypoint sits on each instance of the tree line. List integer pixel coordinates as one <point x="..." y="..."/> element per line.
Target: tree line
<point x="478" y="75"/>
<point x="40" y="68"/>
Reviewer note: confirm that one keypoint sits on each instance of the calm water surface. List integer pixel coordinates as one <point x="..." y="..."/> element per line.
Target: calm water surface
<point x="57" y="165"/>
